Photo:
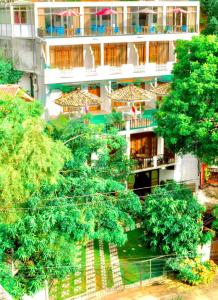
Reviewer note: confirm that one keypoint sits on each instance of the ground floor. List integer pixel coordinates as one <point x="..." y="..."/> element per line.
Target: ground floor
<point x="48" y="93"/>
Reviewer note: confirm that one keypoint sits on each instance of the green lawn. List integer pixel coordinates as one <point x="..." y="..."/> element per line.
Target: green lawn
<point x="132" y="256"/>
<point x="132" y="253"/>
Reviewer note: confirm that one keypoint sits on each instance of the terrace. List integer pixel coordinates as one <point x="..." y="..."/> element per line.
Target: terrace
<point x="127" y="122"/>
<point x="80" y="21"/>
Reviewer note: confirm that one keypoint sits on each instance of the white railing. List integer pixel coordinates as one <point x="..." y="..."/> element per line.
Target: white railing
<point x="5" y="30"/>
<point x="105" y="72"/>
<point x="23" y="30"/>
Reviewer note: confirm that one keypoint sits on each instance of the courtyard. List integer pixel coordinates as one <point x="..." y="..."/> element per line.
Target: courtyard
<point x="102" y="266"/>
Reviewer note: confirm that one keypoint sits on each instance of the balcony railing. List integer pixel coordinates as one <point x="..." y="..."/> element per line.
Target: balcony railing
<point x="136" y="123"/>
<point x="54" y="75"/>
<point x="62" y="32"/>
<point x="142" y="162"/>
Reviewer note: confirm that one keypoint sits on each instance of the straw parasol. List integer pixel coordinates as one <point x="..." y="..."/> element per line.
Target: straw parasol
<point x="161" y="90"/>
<point x="131" y="93"/>
<point x="77" y="99"/>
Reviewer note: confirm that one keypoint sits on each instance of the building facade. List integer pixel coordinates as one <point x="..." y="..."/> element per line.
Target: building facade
<point x="100" y="47"/>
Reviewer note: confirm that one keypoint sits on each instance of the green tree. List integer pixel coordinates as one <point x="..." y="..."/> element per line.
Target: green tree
<point x="8" y="74"/>
<point x="210" y="8"/>
<point x="39" y="245"/>
<point x="97" y="170"/>
<point x="188" y="117"/>
<point x="88" y="200"/>
<point x="215" y="214"/>
<point x="173" y="220"/>
<point x="28" y="156"/>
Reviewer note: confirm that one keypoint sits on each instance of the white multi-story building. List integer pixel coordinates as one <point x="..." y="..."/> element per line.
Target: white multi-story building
<point x="59" y="44"/>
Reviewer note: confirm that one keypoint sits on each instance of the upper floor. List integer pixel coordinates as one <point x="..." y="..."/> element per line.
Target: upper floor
<point x="84" y="19"/>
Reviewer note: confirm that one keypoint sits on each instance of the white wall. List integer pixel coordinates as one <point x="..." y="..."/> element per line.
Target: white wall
<point x="106" y="101"/>
<point x="41" y="295"/>
<point x="166" y="175"/>
<point x="51" y="109"/>
<point x="186" y="169"/>
<point x="24" y="82"/>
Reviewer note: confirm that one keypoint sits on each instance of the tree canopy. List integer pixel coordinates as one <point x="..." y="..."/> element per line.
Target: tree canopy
<point x="215" y="214"/>
<point x="188" y="117"/>
<point x="8" y="74"/>
<point x="210" y="8"/>
<point x="98" y="169"/>
<point x="173" y="220"/>
<point x="28" y="156"/>
<point x="86" y="199"/>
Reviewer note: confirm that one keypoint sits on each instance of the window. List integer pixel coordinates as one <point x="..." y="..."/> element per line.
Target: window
<point x="66" y="57"/>
<point x="115" y="54"/>
<point x="22" y="15"/>
<point x="159" y="52"/>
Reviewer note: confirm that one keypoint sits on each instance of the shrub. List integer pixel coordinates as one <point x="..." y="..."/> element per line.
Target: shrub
<point x="193" y="271"/>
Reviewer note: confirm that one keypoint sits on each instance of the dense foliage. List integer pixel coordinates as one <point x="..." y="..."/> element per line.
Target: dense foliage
<point x="8" y="74"/>
<point x="28" y="156"/>
<point x="193" y="271"/>
<point x="215" y="214"/>
<point x="38" y="246"/>
<point x="210" y="8"/>
<point x="173" y="220"/>
<point x="68" y="187"/>
<point x="98" y="170"/>
<point x="188" y="117"/>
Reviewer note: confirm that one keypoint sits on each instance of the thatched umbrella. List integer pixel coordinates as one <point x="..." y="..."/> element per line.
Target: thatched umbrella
<point x="78" y="99"/>
<point x="161" y="90"/>
<point x="131" y="93"/>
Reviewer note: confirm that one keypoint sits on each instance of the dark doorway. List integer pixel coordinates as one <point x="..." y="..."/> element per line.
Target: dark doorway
<point x="144" y="181"/>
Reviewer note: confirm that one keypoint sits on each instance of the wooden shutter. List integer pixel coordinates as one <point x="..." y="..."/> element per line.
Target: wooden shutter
<point x="97" y="54"/>
<point x="141" y="48"/>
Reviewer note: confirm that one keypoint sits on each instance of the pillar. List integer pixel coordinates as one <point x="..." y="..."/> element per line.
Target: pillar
<point x="160" y="145"/>
<point x="105" y="89"/>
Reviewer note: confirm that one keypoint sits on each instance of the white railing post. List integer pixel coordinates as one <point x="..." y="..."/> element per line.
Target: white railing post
<point x="155" y="161"/>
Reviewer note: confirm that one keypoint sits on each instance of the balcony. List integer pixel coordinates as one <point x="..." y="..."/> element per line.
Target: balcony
<point x="157" y="161"/>
<point x="144" y="120"/>
<point x="62" y="32"/>
<point x="17" y="30"/>
<point x="106" y="72"/>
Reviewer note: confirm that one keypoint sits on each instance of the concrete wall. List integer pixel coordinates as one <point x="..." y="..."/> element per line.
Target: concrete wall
<point x="187" y="169"/>
<point x="40" y="295"/>
<point x="51" y="109"/>
<point x="166" y="175"/>
<point x="24" y="82"/>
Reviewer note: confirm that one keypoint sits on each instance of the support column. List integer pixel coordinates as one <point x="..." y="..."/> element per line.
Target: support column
<point x="82" y="20"/>
<point x="88" y="57"/>
<point x="125" y="13"/>
<point x="105" y="89"/>
<point x="160" y="145"/>
<point x="47" y="55"/>
<point x="102" y="54"/>
<point x="164" y="17"/>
